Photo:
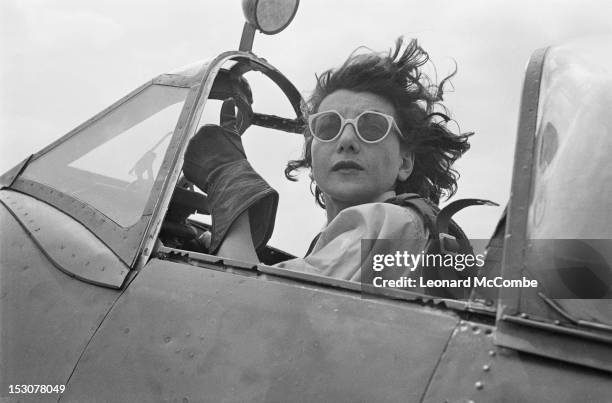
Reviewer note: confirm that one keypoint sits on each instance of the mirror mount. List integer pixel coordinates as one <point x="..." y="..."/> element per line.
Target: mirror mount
<point x="248" y="34"/>
<point x="267" y="16"/>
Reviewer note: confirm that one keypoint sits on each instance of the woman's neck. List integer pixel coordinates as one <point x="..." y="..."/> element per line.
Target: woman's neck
<point x="333" y="207"/>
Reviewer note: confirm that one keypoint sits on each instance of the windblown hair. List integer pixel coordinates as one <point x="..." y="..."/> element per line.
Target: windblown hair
<point x="421" y="116"/>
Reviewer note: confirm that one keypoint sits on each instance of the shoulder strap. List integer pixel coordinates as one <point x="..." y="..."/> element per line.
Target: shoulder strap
<point x="440" y="222"/>
<point x="426" y="209"/>
<point x="444" y="222"/>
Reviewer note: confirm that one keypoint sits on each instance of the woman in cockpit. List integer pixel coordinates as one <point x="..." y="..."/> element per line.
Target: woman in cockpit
<point x="376" y="137"/>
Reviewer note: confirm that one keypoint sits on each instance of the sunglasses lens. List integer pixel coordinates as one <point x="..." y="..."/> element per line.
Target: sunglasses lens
<point x="372" y="126"/>
<point x="326" y="126"/>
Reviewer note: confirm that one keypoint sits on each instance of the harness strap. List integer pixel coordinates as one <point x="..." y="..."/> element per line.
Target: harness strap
<point x="444" y="216"/>
<point x="448" y="235"/>
<point x="427" y="210"/>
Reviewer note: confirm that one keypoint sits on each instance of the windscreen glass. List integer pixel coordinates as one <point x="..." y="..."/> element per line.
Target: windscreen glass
<point x="112" y="163"/>
<point x="569" y="230"/>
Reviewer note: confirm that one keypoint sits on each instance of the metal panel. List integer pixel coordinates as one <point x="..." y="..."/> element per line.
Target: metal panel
<point x="557" y="342"/>
<point x="46" y="317"/>
<point x="185" y="333"/>
<point x="123" y="241"/>
<point x="225" y="264"/>
<point x="473" y="369"/>
<point x="69" y="245"/>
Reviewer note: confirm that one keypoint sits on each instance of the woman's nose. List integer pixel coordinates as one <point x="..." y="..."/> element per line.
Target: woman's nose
<point x="348" y="140"/>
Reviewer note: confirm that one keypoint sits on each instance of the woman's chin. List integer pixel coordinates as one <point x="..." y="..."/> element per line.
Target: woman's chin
<point x="354" y="190"/>
<point x="352" y="195"/>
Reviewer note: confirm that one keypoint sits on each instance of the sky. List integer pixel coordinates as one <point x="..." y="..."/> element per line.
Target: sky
<point x="62" y="61"/>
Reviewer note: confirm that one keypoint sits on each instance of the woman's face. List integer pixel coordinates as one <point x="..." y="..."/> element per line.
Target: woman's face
<point x="378" y="165"/>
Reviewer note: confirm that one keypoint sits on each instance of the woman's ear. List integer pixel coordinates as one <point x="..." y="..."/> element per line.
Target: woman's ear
<point x="407" y="165"/>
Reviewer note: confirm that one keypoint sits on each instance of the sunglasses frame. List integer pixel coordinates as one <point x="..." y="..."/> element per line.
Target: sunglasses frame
<point x="344" y="121"/>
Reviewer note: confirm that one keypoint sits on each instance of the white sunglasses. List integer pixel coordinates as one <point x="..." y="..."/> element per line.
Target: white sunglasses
<point x="371" y="126"/>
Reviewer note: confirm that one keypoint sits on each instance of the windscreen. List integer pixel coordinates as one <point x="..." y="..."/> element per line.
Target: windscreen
<point x="569" y="229"/>
<point x="111" y="164"/>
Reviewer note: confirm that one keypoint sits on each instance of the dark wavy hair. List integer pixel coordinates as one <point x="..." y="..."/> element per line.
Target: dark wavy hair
<point x="422" y="117"/>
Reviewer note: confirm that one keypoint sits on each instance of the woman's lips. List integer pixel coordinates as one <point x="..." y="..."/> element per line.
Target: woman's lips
<point x="340" y="165"/>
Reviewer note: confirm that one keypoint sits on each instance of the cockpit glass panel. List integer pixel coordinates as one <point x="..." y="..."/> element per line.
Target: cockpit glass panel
<point x="112" y="163"/>
<point x="569" y="228"/>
